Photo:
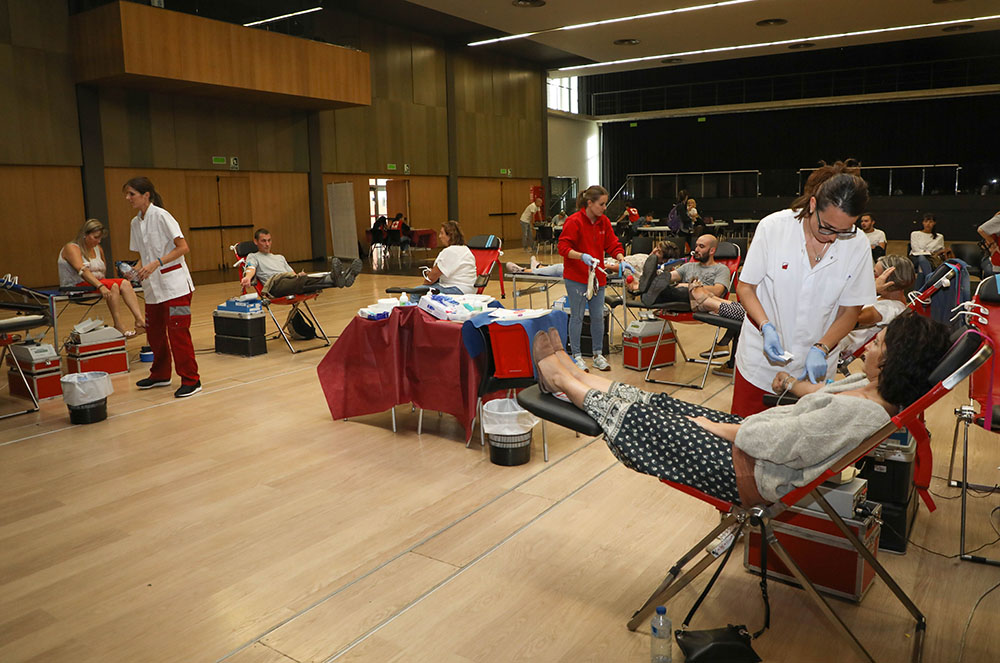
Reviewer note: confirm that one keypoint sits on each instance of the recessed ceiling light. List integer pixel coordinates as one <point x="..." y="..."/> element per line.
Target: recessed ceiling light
<point x="626" y="42"/>
<point x="801" y="44"/>
<point x="957" y="28"/>
<point x="767" y="22"/>
<point x="672" y="60"/>
<point x="783" y="42"/>
<point x="527" y="4"/>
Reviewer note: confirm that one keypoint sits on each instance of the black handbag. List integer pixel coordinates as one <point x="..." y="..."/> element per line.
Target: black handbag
<point x="730" y="644"/>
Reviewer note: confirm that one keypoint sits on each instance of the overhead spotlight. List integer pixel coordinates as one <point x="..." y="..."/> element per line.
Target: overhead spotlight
<point x="768" y="22"/>
<point x="626" y="42"/>
<point x="958" y="28"/>
<point x="672" y="60"/>
<point x="801" y="44"/>
<point x="527" y="4"/>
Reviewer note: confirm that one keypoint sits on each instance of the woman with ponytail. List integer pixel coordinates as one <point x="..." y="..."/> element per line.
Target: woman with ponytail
<point x="156" y="237"/>
<point x="586" y="237"/>
<point x="806" y="277"/>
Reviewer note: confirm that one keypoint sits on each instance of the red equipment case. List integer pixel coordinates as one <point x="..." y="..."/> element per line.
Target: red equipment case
<point x="108" y="356"/>
<point x="638" y="342"/>
<point x="826" y="557"/>
<point x="43" y="378"/>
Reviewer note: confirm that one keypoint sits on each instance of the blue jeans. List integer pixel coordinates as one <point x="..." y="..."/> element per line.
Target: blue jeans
<point x="577" y="295"/>
<point x="526" y="242"/>
<point x="924" y="269"/>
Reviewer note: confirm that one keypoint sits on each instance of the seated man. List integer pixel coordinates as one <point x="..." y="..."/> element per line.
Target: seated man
<point x="281" y="280"/>
<point x="689" y="283"/>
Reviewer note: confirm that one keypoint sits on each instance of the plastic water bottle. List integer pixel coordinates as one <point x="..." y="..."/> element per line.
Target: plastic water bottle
<point x="661" y="645"/>
<point x="127" y="271"/>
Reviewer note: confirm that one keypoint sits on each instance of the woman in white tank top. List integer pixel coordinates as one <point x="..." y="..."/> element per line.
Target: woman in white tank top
<point x="81" y="263"/>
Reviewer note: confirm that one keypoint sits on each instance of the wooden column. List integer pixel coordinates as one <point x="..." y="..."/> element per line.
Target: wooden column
<point x="453" y="147"/>
<point x="95" y="197"/>
<point x="317" y="218"/>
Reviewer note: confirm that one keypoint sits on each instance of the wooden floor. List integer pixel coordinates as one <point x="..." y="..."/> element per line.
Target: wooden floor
<point x="245" y="525"/>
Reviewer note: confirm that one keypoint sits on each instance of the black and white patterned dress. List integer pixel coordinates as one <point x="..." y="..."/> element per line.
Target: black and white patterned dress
<point x="652" y="434"/>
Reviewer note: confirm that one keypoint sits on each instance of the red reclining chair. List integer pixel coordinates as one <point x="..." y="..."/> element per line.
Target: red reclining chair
<point x="969" y="352"/>
<point x="727" y="254"/>
<point x="486" y="249"/>
<point x="242" y="250"/>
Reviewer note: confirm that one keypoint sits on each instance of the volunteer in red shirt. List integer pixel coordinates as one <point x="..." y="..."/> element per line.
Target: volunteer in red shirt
<point x="586" y="237"/>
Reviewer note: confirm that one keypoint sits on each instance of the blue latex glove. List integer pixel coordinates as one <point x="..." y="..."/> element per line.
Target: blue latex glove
<point x="772" y="344"/>
<point x="588" y="260"/>
<point x="815" y="366"/>
<point x="625" y="267"/>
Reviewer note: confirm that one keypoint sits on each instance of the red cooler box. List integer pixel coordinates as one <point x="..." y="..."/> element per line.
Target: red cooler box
<point x="820" y="549"/>
<point x="97" y="351"/>
<point x="639" y="340"/>
<point x="41" y="367"/>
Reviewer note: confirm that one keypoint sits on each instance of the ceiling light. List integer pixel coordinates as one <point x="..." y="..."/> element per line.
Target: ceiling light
<point x="636" y="17"/>
<point x="527" y="4"/>
<point x="783" y="42"/>
<point x="626" y="42"/>
<point x="801" y="44"/>
<point x="767" y="22"/>
<point x="672" y="60"/>
<point x="278" y="18"/>
<point x="957" y="28"/>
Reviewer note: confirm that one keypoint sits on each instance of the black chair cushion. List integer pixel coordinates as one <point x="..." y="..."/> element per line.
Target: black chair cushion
<point x="550" y="408"/>
<point x="962" y="352"/>
<point x="676" y="307"/>
<point x="719" y="321"/>
<point x="988" y="291"/>
<point x="243" y="249"/>
<point x="483" y="242"/>
<point x="614" y="301"/>
<point x="416" y="290"/>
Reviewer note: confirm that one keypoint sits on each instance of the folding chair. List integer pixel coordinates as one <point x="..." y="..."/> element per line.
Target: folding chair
<point x="728" y="254"/>
<point x="969" y="352"/>
<point x="984" y="313"/>
<point x="242" y="250"/>
<point x="486" y="249"/>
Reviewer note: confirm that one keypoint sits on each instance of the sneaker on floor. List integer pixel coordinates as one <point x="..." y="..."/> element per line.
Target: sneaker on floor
<point x="719" y="352"/>
<point x="188" y="390"/>
<point x="578" y="360"/>
<point x="723" y="371"/>
<point x="336" y="272"/>
<point x="352" y="272"/>
<point x="534" y="263"/>
<point x="149" y="383"/>
<point x="513" y="268"/>
<point x="601" y="364"/>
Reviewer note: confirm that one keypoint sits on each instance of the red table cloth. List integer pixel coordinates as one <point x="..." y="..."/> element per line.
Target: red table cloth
<point x="410" y="357"/>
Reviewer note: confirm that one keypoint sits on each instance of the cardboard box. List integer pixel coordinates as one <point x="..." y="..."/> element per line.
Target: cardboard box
<point x="821" y="550"/>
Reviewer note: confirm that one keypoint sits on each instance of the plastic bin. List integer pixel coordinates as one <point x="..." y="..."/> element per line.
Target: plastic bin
<point x="86" y="396"/>
<point x="508" y="427"/>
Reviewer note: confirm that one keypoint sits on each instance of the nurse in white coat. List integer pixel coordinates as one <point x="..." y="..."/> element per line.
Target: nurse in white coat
<point x="807" y="275"/>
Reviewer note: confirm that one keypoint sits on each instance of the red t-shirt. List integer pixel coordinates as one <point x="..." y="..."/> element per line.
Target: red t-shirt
<point x="633" y="214"/>
<point x="579" y="234"/>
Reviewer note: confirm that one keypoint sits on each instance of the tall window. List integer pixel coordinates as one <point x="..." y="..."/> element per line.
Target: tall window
<point x="377" y="203"/>
<point x="564" y="94"/>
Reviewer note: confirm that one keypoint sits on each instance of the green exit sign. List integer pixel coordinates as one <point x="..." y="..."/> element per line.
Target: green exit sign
<point x="633" y="124"/>
<point x="218" y="161"/>
<point x="703" y="119"/>
<point x="503" y="171"/>
<point x="390" y="166"/>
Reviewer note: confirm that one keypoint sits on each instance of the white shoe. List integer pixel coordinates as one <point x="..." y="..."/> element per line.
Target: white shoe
<point x="514" y="268"/>
<point x="578" y="360"/>
<point x="534" y="263"/>
<point x="601" y="364"/>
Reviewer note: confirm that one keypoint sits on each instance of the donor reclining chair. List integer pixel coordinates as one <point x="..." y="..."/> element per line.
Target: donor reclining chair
<point x="968" y="353"/>
<point x="242" y="250"/>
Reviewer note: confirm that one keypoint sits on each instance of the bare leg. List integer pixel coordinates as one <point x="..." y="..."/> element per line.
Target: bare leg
<point x="567" y="366"/>
<point x="702" y="300"/>
<point x="132" y="302"/>
<point x="115" y="306"/>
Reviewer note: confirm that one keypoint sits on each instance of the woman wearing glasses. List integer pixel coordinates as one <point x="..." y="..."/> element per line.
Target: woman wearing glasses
<point x="806" y="277"/>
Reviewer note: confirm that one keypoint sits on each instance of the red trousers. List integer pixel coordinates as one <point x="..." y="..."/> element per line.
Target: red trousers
<point x="747" y="399"/>
<point x="168" y="328"/>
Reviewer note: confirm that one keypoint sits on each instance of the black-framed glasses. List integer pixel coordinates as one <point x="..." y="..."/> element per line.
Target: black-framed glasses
<point x="825" y="229"/>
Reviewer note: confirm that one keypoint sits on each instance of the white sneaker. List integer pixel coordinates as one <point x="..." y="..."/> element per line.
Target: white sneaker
<point x="578" y="360"/>
<point x="534" y="263"/>
<point x="601" y="364"/>
<point x="514" y="268"/>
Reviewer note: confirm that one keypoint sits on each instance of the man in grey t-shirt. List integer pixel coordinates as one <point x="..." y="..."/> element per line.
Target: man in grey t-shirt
<point x="280" y="280"/>
<point x="689" y="283"/>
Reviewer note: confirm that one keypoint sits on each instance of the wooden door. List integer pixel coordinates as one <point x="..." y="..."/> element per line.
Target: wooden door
<point x="204" y="231"/>
<point x="397" y="197"/>
<point x="514" y="197"/>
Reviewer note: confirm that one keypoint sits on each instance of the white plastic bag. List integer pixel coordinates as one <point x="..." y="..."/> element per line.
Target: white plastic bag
<point x="84" y="388"/>
<point x="504" y="416"/>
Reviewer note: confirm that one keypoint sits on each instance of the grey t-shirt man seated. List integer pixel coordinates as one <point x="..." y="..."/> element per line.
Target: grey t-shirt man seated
<point x="689" y="283"/>
<point x="280" y="280"/>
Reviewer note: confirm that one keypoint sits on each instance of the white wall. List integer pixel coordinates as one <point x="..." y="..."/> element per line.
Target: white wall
<point x="574" y="149"/>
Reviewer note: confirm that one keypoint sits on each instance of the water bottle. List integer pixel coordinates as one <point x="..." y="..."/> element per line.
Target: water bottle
<point x="127" y="271"/>
<point x="661" y="645"/>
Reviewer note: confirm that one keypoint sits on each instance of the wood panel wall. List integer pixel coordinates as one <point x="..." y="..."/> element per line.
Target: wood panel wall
<point x="38" y="119"/>
<point x="278" y="201"/>
<point x="114" y="43"/>
<point x="493" y="206"/>
<point x="428" y="202"/>
<point x="41" y="208"/>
